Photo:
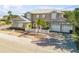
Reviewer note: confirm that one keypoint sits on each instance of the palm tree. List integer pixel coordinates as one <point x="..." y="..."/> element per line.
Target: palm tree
<point x="10" y="16"/>
<point x="9" y="12"/>
<point x="40" y="23"/>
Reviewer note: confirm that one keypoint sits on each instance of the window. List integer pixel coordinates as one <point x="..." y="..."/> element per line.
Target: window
<point x="53" y="16"/>
<point x="60" y="15"/>
<point x="43" y="16"/>
<point x="28" y="16"/>
<point x="37" y="16"/>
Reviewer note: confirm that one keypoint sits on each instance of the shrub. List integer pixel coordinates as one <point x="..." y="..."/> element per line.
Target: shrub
<point x="2" y="23"/>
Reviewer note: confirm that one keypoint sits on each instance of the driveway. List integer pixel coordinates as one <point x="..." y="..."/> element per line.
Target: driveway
<point x="67" y="44"/>
<point x="10" y="43"/>
<point x="70" y="43"/>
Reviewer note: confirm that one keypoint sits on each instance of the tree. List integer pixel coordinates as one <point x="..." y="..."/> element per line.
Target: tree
<point x="9" y="17"/>
<point x="77" y="21"/>
<point x="73" y="18"/>
<point x="77" y="17"/>
<point x="9" y="12"/>
<point x="40" y="23"/>
<point x="70" y="16"/>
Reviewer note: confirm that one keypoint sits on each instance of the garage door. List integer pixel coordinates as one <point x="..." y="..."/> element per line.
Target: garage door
<point x="66" y="28"/>
<point x="55" y="27"/>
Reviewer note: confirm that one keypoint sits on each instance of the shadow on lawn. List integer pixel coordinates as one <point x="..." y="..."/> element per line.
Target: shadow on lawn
<point x="62" y="44"/>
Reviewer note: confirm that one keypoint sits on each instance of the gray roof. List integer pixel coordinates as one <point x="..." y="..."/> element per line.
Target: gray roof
<point x="41" y="11"/>
<point x="44" y="11"/>
<point x="21" y="18"/>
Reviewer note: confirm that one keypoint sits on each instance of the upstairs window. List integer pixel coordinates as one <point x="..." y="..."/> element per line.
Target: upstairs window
<point x="43" y="16"/>
<point x="28" y="15"/>
<point x="37" y="16"/>
<point x="53" y="16"/>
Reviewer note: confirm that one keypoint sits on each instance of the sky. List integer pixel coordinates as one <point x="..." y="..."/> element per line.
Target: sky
<point x="20" y="9"/>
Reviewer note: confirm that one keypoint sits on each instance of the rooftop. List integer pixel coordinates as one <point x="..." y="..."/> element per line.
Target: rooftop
<point x="22" y="19"/>
<point x="44" y="11"/>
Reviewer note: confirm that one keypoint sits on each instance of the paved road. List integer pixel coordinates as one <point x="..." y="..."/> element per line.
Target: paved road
<point x="4" y="27"/>
<point x="9" y="43"/>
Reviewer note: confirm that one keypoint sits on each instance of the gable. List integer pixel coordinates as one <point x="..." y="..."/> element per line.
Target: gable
<point x="20" y="18"/>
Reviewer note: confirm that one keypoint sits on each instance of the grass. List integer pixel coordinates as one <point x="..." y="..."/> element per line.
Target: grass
<point x="2" y="23"/>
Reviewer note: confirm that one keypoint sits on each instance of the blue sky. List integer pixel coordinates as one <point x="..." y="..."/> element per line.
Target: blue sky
<point x="20" y="9"/>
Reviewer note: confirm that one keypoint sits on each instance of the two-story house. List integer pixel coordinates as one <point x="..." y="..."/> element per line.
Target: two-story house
<point x="54" y="18"/>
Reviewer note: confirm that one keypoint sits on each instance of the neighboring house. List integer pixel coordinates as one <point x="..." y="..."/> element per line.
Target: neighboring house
<point x="1" y="17"/>
<point x="19" y="22"/>
<point x="54" y="18"/>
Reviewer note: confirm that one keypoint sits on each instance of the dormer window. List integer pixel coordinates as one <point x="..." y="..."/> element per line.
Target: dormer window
<point x="28" y="15"/>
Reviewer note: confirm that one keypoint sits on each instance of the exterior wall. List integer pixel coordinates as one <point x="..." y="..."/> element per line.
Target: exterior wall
<point x="17" y="24"/>
<point x="46" y="18"/>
